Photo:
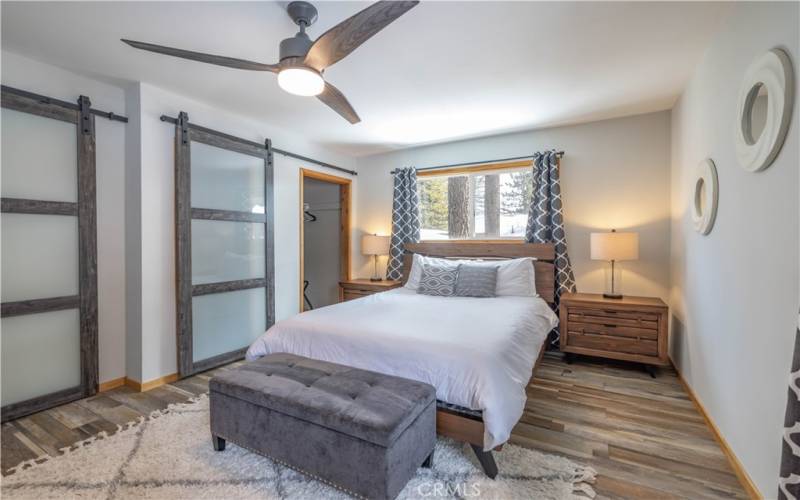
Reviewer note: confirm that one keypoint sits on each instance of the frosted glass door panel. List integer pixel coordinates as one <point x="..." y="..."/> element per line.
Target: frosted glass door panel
<point x="39" y="157"/>
<point x="226" y="180"/>
<point x="226" y="251"/>
<point x="39" y="256"/>
<point x="225" y="322"/>
<point x="40" y="354"/>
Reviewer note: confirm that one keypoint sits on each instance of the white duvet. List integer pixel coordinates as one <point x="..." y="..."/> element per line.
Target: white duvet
<point x="477" y="352"/>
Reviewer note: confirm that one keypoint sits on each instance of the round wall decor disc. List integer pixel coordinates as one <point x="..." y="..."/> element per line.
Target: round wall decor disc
<point x="764" y="110"/>
<point x="705" y="196"/>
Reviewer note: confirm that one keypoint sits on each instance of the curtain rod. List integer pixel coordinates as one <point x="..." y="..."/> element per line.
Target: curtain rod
<point x="170" y="119"/>
<point x="498" y="160"/>
<point x="70" y="105"/>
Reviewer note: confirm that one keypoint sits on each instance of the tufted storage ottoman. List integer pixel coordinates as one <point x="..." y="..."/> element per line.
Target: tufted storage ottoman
<point x="361" y="431"/>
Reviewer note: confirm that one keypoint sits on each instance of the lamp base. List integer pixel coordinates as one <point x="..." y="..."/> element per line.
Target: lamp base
<point x="612" y="295"/>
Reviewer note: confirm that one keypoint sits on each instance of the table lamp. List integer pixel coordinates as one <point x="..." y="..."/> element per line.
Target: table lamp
<point x="372" y="244"/>
<point x="614" y="247"/>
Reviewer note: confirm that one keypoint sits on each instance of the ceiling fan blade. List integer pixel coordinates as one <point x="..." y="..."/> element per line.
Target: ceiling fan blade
<point x="346" y="36"/>
<point x="229" y="62"/>
<point x="338" y="102"/>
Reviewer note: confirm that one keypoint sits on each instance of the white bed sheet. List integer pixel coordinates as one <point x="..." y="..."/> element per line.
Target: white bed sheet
<point x="477" y="352"/>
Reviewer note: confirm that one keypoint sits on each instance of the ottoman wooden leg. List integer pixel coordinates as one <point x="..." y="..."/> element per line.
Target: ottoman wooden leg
<point x="218" y="442"/>
<point x="428" y="463"/>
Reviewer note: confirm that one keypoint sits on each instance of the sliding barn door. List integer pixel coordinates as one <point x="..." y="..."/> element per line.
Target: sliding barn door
<point x="224" y="248"/>
<point x="49" y="254"/>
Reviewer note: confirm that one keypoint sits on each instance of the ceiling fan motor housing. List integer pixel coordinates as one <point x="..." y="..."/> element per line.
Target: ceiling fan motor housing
<point x="304" y="15"/>
<point x="296" y="46"/>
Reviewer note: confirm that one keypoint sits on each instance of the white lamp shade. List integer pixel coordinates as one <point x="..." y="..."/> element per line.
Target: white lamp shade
<point x="614" y="246"/>
<point x="372" y="244"/>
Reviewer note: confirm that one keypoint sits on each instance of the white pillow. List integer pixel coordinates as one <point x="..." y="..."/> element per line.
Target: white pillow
<point x="515" y="277"/>
<point x="415" y="275"/>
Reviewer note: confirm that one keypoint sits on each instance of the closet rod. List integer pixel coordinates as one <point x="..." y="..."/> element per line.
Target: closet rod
<point x="165" y="118"/>
<point x="49" y="100"/>
<point x="498" y="160"/>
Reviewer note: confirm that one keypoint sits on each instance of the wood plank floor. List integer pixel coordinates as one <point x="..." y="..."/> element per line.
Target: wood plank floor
<point x="644" y="436"/>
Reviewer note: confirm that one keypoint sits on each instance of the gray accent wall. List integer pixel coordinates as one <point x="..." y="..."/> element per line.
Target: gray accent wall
<point x="615" y="174"/>
<point x="735" y="291"/>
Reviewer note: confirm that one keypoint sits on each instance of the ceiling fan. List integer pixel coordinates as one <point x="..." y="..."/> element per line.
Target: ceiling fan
<point x="303" y="62"/>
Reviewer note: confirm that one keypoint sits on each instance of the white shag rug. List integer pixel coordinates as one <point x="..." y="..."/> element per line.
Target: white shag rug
<point x="169" y="456"/>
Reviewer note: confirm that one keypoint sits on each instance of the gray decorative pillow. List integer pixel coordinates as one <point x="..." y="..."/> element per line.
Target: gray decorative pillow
<point x="476" y="281"/>
<point x="438" y="280"/>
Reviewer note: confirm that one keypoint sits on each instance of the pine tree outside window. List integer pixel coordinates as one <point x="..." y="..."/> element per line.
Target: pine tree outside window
<point x="476" y="204"/>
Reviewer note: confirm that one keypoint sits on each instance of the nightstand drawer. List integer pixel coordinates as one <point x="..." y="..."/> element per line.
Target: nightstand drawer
<point x="354" y="294"/>
<point x="608" y="343"/>
<point x="614" y="330"/>
<point x="630" y="328"/>
<point x="614" y="317"/>
<point x="357" y="288"/>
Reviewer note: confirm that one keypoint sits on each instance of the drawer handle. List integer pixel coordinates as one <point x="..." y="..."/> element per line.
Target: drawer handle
<point x="609" y="326"/>
<point x="609" y="312"/>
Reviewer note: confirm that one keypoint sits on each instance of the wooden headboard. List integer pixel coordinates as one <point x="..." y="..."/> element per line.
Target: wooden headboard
<point x="544" y="253"/>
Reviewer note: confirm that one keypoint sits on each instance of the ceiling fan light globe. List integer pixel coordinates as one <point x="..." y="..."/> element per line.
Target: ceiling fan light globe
<point x="301" y="81"/>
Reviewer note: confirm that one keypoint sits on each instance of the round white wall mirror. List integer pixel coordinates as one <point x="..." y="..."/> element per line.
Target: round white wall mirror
<point x="756" y="109"/>
<point x="705" y="197"/>
<point x="764" y="110"/>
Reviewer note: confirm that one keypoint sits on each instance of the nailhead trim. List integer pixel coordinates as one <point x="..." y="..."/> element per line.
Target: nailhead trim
<point x="295" y="468"/>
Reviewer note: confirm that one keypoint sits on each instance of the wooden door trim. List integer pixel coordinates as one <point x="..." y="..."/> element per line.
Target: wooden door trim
<point x="227" y="215"/>
<point x="38" y="207"/>
<point x="345" y="203"/>
<point x="228" y="286"/>
<point x="21" y="307"/>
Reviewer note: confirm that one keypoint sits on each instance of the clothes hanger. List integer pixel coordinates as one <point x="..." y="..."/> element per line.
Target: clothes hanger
<point x="308" y="216"/>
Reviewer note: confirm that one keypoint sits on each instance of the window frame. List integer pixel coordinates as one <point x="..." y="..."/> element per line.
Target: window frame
<point x="471" y="170"/>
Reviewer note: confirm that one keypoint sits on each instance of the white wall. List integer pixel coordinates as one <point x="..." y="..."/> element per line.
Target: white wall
<point x="734" y="292"/>
<point x="157" y="297"/>
<point x="321" y="243"/>
<point x="615" y="174"/>
<point x="45" y="79"/>
<point x="133" y="231"/>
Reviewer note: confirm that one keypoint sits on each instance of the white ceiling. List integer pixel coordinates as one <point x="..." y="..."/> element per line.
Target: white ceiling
<point x="443" y="71"/>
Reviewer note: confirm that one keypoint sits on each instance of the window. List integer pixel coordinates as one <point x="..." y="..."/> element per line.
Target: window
<point x="488" y="202"/>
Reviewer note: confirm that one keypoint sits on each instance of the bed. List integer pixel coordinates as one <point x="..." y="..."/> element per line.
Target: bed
<point x="479" y="353"/>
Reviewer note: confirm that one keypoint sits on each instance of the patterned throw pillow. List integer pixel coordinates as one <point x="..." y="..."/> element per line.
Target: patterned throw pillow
<point x="476" y="281"/>
<point x="438" y="280"/>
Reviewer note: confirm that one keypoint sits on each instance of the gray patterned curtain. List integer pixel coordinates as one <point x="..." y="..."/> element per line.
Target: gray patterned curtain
<point x="789" y="480"/>
<point x="546" y="222"/>
<point x="405" y="219"/>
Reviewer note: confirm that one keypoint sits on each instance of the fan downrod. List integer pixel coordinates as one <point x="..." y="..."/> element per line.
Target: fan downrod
<point x="302" y="13"/>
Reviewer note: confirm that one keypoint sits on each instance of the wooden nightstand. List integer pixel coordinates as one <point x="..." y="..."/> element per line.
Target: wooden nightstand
<point x="630" y="329"/>
<point x="357" y="288"/>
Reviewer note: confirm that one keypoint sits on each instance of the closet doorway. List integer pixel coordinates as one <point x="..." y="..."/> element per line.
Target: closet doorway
<point x="324" y="237"/>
